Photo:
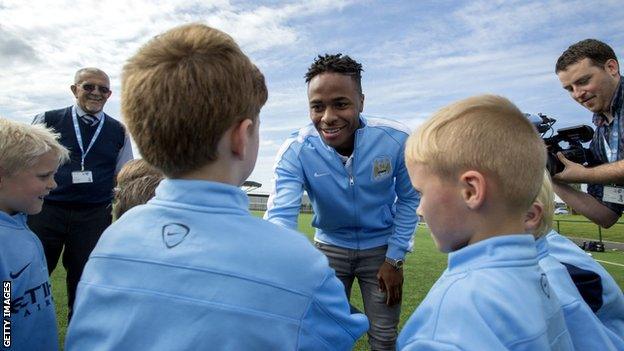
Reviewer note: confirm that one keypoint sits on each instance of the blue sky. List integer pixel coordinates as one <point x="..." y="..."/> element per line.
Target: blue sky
<point x="417" y="55"/>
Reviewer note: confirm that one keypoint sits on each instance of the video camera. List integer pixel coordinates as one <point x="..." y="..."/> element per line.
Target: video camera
<point x="574" y="136"/>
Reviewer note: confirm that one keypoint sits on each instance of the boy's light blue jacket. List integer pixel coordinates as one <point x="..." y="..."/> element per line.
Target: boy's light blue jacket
<point x="194" y="270"/>
<point x="492" y="296"/>
<point x="595" y="284"/>
<point x="23" y="264"/>
<point x="586" y="330"/>
<point x="371" y="205"/>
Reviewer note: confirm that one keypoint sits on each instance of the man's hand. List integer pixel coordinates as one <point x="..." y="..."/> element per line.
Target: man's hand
<point x="391" y="282"/>
<point x="572" y="172"/>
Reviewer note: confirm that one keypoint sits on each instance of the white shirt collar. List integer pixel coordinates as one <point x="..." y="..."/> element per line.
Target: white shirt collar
<point x="80" y="112"/>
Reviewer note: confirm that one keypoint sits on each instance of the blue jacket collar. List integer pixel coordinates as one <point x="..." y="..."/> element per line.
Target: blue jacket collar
<point x="202" y="193"/>
<point x="541" y="244"/>
<point x="17" y="221"/>
<point x="517" y="247"/>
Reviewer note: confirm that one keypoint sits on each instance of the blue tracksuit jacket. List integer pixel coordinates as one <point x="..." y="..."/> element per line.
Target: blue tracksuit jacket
<point x="595" y="284"/>
<point x="372" y="205"/>
<point x="194" y="270"/>
<point x="492" y="296"/>
<point x="586" y="330"/>
<point x="23" y="266"/>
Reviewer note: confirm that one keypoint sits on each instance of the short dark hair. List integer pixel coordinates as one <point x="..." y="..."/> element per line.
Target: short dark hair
<point x="595" y="50"/>
<point x="336" y="64"/>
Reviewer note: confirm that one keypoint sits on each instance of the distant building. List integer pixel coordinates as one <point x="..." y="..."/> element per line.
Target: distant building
<point x="258" y="202"/>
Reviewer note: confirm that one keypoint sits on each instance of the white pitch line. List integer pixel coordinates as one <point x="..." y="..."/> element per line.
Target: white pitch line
<point x="613" y="263"/>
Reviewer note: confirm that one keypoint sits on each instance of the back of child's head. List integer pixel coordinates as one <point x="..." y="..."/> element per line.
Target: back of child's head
<point x="21" y="146"/>
<point x="182" y="90"/>
<point x="486" y="133"/>
<point x="546" y="198"/>
<point x="135" y="192"/>
<point x="134" y="169"/>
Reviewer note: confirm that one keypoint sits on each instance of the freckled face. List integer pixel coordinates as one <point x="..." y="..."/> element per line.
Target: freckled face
<point x="24" y="190"/>
<point x="441" y="207"/>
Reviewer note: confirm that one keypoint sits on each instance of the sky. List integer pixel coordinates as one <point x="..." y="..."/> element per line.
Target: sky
<point x="418" y="56"/>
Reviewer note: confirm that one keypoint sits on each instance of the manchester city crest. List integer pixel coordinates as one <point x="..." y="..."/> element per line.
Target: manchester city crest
<point x="382" y="168"/>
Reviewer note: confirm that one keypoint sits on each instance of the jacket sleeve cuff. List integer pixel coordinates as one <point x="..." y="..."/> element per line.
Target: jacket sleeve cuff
<point x="396" y="253"/>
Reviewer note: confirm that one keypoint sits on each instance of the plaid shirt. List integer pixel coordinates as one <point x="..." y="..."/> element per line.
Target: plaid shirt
<point x="597" y="147"/>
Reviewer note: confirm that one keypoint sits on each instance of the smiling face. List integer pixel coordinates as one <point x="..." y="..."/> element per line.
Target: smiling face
<point x="441" y="207"/>
<point x="590" y="85"/>
<point x="91" y="101"/>
<point x="24" y="190"/>
<point x="335" y="105"/>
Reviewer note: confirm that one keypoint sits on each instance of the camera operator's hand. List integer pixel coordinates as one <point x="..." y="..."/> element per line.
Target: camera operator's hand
<point x="391" y="282"/>
<point x="608" y="173"/>
<point x="572" y="172"/>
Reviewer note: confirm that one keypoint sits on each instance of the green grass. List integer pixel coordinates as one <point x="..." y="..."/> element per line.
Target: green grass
<point x="422" y="268"/>
<point x="579" y="227"/>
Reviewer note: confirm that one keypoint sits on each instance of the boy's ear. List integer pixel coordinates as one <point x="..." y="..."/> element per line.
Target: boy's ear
<point x="473" y="189"/>
<point x="533" y="217"/>
<point x="240" y="138"/>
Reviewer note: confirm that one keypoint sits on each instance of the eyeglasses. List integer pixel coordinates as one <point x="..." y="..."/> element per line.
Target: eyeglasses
<point x="91" y="87"/>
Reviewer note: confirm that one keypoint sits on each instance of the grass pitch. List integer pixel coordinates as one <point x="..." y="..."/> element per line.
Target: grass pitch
<point x="422" y="269"/>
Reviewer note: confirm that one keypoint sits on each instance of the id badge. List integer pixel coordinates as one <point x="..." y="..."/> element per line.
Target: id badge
<point x="80" y="177"/>
<point x="613" y="194"/>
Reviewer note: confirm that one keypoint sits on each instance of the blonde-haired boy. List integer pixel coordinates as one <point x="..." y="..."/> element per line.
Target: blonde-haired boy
<point x="193" y="269"/>
<point x="478" y="166"/>
<point x="586" y="330"/>
<point x="29" y="158"/>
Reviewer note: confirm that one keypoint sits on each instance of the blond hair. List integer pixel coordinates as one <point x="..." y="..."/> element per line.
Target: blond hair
<point x="182" y="90"/>
<point x="136" y="168"/>
<point x="486" y="133"/>
<point x="546" y="197"/>
<point x="135" y="192"/>
<point x="22" y="144"/>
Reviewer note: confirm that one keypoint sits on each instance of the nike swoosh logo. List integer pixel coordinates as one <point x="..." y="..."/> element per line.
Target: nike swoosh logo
<point x="15" y="275"/>
<point x="317" y="174"/>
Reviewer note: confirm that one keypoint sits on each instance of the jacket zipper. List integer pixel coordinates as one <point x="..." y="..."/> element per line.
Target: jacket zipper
<point x="352" y="183"/>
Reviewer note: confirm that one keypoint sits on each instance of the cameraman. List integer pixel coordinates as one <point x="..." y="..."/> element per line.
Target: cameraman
<point x="589" y="71"/>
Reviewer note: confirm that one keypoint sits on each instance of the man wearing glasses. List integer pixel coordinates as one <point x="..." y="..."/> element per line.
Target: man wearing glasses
<point x="75" y="214"/>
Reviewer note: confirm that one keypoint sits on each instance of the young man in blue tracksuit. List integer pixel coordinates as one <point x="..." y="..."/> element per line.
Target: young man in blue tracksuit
<point x="353" y="170"/>
<point x="29" y="158"/>
<point x="586" y="330"/>
<point x="192" y="269"/>
<point x="475" y="199"/>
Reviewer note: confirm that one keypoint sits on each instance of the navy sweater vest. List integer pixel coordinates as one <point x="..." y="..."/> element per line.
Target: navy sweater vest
<point x="101" y="159"/>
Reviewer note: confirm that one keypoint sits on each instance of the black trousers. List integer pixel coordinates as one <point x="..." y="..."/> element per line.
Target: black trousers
<point x="77" y="228"/>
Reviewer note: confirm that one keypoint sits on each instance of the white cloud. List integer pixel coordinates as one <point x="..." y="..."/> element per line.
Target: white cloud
<point x="417" y="56"/>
